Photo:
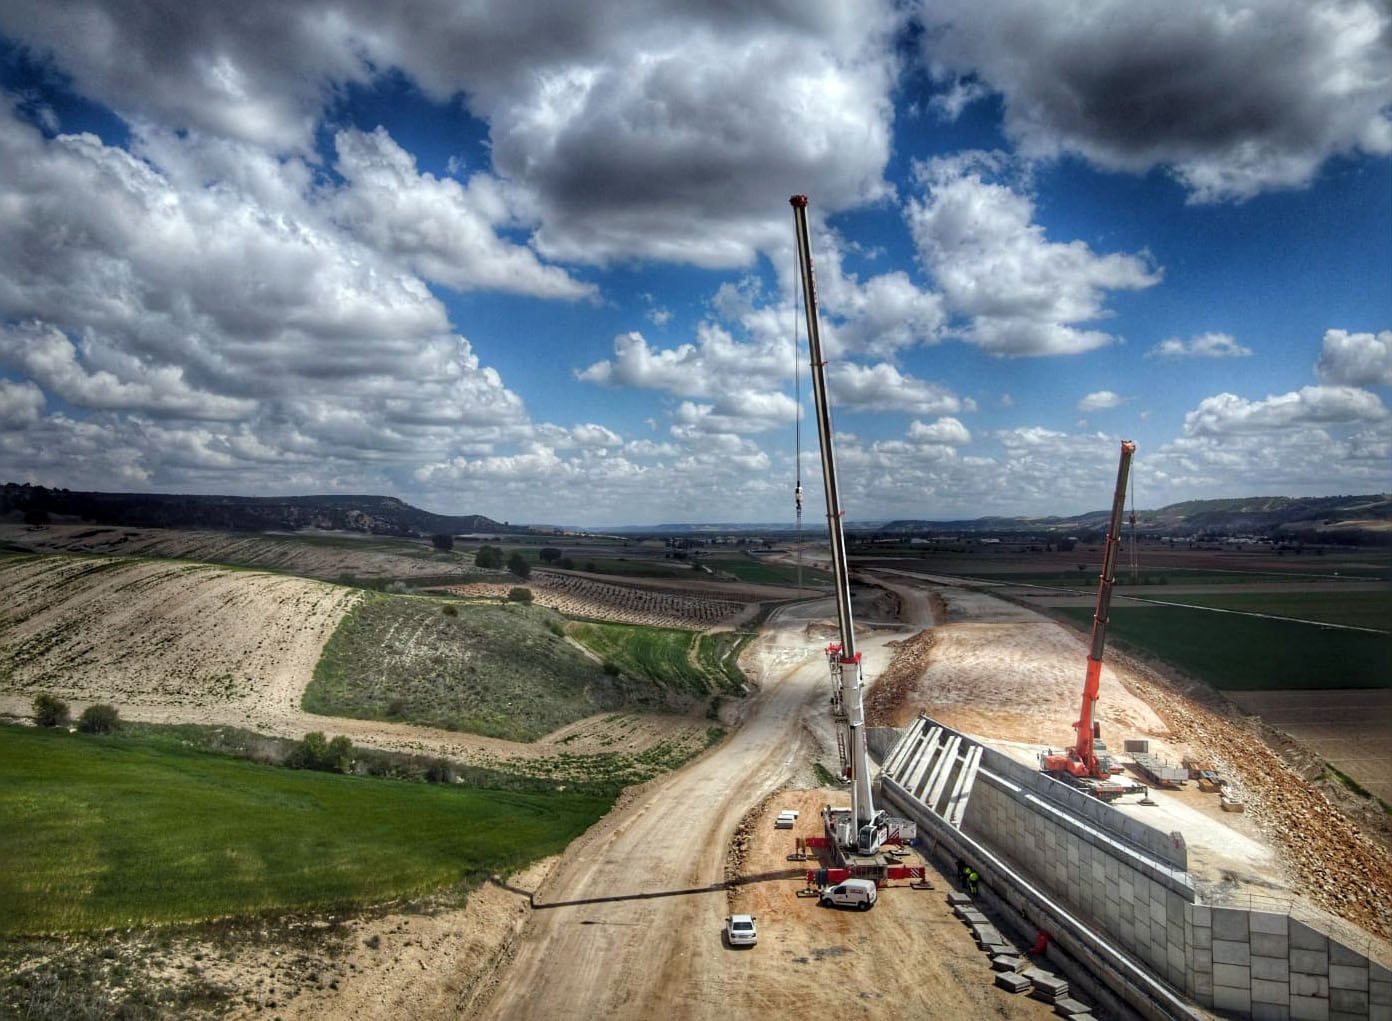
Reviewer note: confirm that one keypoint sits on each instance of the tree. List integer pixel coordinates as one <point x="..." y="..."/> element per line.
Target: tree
<point x="99" y="719"/>
<point x="517" y="564"/>
<point x="50" y="712"/>
<point x="551" y="554"/>
<point x="490" y="558"/>
<point x="338" y="757"/>
<point x="519" y="595"/>
<point x="318" y="752"/>
<point x="442" y="541"/>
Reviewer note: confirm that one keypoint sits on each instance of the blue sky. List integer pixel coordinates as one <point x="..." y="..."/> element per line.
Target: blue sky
<point x="536" y="262"/>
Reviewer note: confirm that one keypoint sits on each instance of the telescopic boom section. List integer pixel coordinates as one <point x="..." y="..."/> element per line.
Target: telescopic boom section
<point x="1082" y="761"/>
<point x="862" y="801"/>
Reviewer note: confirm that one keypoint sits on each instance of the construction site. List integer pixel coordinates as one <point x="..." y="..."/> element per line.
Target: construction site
<point x="1069" y="871"/>
<point x="932" y="799"/>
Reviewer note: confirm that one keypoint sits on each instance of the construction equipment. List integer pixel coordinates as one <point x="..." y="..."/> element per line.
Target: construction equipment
<point x="863" y="830"/>
<point x="1086" y="764"/>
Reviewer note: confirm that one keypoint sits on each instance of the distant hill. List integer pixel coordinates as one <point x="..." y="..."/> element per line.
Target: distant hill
<point x="1357" y="519"/>
<point x="373" y="515"/>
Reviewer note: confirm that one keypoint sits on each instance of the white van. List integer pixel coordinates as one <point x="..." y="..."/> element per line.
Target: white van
<point x="856" y="893"/>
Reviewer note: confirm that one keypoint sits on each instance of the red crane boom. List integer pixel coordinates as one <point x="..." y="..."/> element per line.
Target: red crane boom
<point x="1080" y="760"/>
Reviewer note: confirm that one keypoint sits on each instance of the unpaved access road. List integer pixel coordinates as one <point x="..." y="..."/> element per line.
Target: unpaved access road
<point x="629" y="924"/>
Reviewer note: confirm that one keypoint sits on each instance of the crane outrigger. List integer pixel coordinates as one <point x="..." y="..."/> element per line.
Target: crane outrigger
<point x="866" y="829"/>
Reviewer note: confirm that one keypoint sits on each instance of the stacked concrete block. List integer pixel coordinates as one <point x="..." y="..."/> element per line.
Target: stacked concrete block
<point x="1379" y="992"/>
<point x="1047" y="986"/>
<point x="1270" y="964"/>
<point x="1232" y="961"/>
<point x="1198" y="952"/>
<point x="1012" y="982"/>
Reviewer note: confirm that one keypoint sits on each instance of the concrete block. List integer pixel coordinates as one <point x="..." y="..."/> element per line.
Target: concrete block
<point x="1239" y="1001"/>
<point x="1306" y="938"/>
<point x="1378" y="973"/>
<point x="1231" y="952"/>
<point x="1340" y="954"/>
<point x="1309" y="962"/>
<point x="1007" y="962"/>
<point x="1268" y="922"/>
<point x="1174" y="933"/>
<point x="1348" y="1001"/>
<point x="1011" y="982"/>
<point x="1050" y="985"/>
<point x="1345" y="976"/>
<point x="1066" y="1006"/>
<point x="1156" y="895"/>
<point x="1269" y="1012"/>
<point x="954" y="898"/>
<point x="1265" y="944"/>
<point x="1230" y="924"/>
<point x="1309" y="1008"/>
<point x="1309" y="985"/>
<point x="1380" y="993"/>
<point x="1201" y="985"/>
<point x="1376" y="1013"/>
<point x="1274" y="993"/>
<point x="1202" y="961"/>
<point x="1201" y="914"/>
<point x="1234" y="976"/>
<point x="1271" y="969"/>
<point x="1202" y="937"/>
<point x="1174" y="957"/>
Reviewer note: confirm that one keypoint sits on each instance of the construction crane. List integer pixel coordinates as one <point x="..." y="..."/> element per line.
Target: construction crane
<point x="866" y="829"/>
<point x="1085" y="763"/>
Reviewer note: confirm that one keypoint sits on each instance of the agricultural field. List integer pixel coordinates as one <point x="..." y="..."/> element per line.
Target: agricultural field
<point x="585" y="598"/>
<point x="154" y="833"/>
<point x="337" y="557"/>
<point x="157" y="633"/>
<point x="1234" y="652"/>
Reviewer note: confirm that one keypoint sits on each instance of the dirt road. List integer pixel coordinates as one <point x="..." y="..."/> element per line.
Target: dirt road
<point x="629" y="924"/>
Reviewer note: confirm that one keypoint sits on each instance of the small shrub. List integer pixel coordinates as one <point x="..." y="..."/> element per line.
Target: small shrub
<point x="99" y="719"/>
<point x="50" y="712"/>
<point x="318" y="752"/>
<point x="450" y="610"/>
<point x="519" y="595"/>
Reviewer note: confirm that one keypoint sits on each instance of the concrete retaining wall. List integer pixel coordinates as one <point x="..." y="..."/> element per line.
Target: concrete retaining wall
<point x="1107" y="877"/>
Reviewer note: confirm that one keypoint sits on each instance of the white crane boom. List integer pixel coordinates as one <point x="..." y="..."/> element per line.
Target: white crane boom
<point x="845" y="655"/>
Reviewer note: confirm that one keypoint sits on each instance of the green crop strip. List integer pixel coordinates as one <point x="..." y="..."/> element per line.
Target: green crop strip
<point x="104" y="832"/>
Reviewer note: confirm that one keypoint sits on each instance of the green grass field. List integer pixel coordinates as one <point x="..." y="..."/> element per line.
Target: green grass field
<point x="762" y="572"/>
<point x="1237" y="653"/>
<point x="1355" y="609"/>
<point x="658" y="657"/>
<point x="103" y="832"/>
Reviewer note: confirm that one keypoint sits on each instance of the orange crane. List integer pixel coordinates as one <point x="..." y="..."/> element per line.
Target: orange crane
<point x="1081" y="763"/>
